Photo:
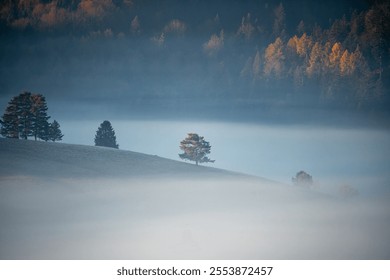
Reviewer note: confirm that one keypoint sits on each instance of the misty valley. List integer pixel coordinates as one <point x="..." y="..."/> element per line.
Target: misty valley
<point x="68" y="201"/>
<point x="194" y="129"/>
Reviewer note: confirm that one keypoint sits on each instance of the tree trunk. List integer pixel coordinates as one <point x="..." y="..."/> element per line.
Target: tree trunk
<point x="196" y="162"/>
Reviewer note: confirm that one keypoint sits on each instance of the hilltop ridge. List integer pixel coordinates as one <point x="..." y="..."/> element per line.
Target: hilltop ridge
<point x="37" y="158"/>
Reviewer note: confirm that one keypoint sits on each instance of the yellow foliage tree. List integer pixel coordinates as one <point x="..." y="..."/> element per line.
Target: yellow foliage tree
<point x="274" y="59"/>
<point x="346" y="65"/>
<point x="301" y="45"/>
<point x="335" y="55"/>
<point x="315" y="60"/>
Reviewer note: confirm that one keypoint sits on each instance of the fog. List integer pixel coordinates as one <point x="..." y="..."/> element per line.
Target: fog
<point x="275" y="88"/>
<point x="185" y="219"/>
<point x="334" y="156"/>
<point x="63" y="201"/>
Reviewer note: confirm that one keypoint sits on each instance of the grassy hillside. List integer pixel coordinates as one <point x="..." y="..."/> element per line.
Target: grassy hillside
<point x="36" y="158"/>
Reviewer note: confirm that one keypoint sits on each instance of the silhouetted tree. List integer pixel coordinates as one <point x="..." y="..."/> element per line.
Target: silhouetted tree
<point x="55" y="133"/>
<point x="26" y="116"/>
<point x="40" y="118"/>
<point x="105" y="136"/>
<point x="10" y="120"/>
<point x="195" y="149"/>
<point x="303" y="179"/>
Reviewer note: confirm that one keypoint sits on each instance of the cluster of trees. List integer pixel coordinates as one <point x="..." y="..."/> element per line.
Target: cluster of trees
<point x="195" y="148"/>
<point x="246" y="52"/>
<point x="304" y="179"/>
<point x="26" y="116"/>
<point x="348" y="57"/>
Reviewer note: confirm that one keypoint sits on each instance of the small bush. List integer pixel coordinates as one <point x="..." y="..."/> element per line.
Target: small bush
<point x="303" y="179"/>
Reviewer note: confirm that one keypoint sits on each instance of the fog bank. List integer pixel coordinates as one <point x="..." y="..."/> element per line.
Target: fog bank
<point x="334" y="156"/>
<point x="185" y="219"/>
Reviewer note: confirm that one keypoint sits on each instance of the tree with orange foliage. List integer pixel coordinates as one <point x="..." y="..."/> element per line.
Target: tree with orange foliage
<point x="274" y="59"/>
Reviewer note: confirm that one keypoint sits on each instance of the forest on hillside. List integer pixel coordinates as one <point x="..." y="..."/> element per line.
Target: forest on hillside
<point x="254" y="54"/>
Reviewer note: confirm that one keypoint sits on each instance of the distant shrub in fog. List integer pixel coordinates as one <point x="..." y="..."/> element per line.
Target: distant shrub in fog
<point x="303" y="179"/>
<point x="347" y="191"/>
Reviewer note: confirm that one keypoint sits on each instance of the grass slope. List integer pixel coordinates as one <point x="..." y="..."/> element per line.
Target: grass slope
<point x="36" y="158"/>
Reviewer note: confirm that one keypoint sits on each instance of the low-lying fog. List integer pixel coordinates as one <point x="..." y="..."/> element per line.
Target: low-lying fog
<point x="333" y="156"/>
<point x="185" y="219"/>
<point x="46" y="217"/>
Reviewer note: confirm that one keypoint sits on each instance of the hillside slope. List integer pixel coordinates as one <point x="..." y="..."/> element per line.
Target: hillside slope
<point x="36" y="158"/>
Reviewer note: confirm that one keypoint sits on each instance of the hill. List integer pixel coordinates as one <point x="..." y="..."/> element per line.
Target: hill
<point x="35" y="158"/>
<point x="60" y="201"/>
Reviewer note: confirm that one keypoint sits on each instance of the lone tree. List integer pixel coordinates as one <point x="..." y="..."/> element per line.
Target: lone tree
<point x="303" y="179"/>
<point x="195" y="149"/>
<point x="105" y="136"/>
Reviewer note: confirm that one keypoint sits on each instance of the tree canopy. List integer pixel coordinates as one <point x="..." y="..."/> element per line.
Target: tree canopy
<point x="26" y="116"/>
<point x="195" y="149"/>
<point x="105" y="136"/>
<point x="55" y="133"/>
<point x="303" y="179"/>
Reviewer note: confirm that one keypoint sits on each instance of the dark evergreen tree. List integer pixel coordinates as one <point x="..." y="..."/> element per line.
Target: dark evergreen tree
<point x="105" y="136"/>
<point x="195" y="149"/>
<point x="10" y="120"/>
<point x="40" y="124"/>
<point x="25" y="115"/>
<point x="55" y="133"/>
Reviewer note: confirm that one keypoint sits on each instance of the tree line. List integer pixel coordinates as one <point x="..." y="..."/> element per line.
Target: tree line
<point x="349" y="60"/>
<point x="26" y="116"/>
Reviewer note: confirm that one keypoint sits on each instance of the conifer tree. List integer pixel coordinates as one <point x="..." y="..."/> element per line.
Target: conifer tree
<point x="274" y="59"/>
<point x="55" y="133"/>
<point x="105" y="136"/>
<point x="10" y="121"/>
<point x="40" y="124"/>
<point x="195" y="149"/>
<point x="26" y="116"/>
